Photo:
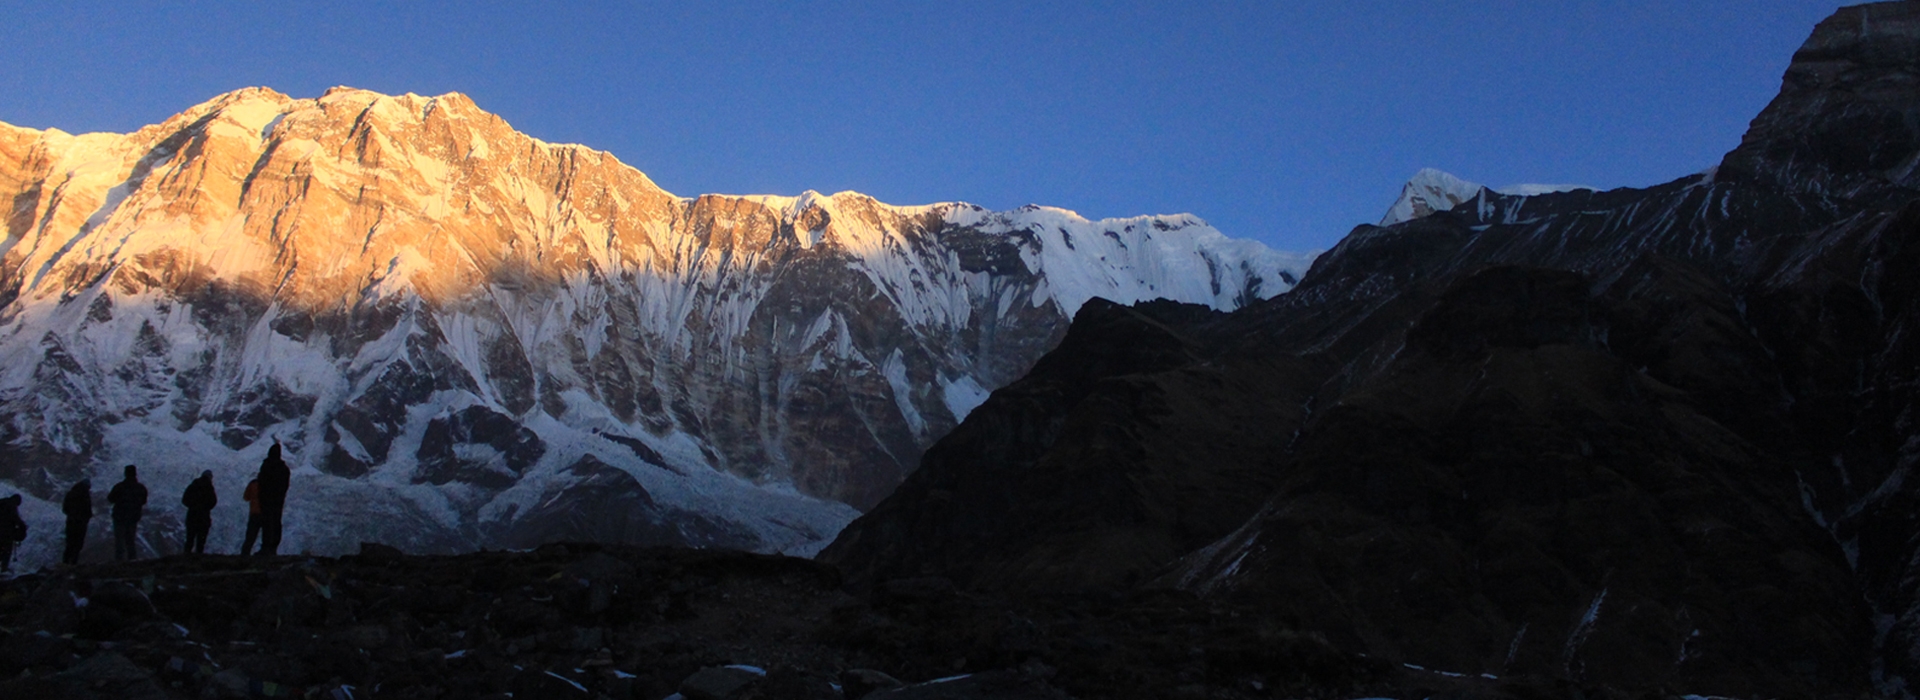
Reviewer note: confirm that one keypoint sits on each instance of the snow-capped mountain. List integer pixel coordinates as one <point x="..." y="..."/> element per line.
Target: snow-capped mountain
<point x="468" y="337"/>
<point x="1431" y="190"/>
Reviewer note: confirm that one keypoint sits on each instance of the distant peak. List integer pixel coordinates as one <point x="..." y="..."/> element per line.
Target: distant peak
<point x="259" y="92"/>
<point x="1432" y="190"/>
<point x="230" y="98"/>
<point x="1429" y="191"/>
<point x="252" y="106"/>
<point x="1440" y="178"/>
<point x="349" y="90"/>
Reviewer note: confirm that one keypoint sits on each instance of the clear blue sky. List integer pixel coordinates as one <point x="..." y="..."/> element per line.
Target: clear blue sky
<point x="1282" y="120"/>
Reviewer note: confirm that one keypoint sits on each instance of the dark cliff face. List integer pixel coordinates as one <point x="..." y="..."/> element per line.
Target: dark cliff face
<point x="1847" y="121"/>
<point x="1121" y="450"/>
<point x="1650" y="439"/>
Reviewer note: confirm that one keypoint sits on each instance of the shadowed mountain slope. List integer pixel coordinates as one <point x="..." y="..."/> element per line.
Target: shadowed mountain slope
<point x="1645" y="439"/>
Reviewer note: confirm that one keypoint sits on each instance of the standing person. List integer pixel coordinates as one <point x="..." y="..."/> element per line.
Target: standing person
<point x="274" y="478"/>
<point x="199" y="499"/>
<point x="12" y="529"/>
<point x="129" y="499"/>
<point x="253" y="515"/>
<point x="79" y="510"/>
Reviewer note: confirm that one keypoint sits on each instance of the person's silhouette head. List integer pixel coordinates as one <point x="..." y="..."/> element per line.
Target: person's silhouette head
<point x="132" y="473"/>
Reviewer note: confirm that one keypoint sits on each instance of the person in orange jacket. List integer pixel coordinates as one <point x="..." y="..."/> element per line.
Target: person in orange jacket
<point x="253" y="516"/>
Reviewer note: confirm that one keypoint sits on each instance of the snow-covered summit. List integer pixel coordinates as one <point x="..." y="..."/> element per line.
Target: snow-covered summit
<point x="1432" y="190"/>
<point x="469" y="337"/>
<point x="1429" y="191"/>
<point x="1134" y="259"/>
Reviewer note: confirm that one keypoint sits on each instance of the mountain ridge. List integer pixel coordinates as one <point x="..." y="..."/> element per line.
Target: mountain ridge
<point x="457" y="325"/>
<point x="1647" y="440"/>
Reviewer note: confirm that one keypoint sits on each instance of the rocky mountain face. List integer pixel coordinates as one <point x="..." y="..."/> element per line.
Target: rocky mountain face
<point x="467" y="337"/>
<point x="1638" y="441"/>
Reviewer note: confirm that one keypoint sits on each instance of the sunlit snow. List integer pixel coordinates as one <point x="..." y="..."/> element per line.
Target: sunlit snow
<point x="99" y="335"/>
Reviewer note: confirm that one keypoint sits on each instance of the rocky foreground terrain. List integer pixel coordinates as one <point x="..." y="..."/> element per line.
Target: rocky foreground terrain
<point x="596" y="621"/>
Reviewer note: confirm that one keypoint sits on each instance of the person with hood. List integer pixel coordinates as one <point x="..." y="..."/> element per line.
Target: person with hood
<point x="274" y="479"/>
<point x="199" y="499"/>
<point x="252" y="496"/>
<point x="129" y="499"/>
<point x="79" y="510"/>
<point x="13" y="530"/>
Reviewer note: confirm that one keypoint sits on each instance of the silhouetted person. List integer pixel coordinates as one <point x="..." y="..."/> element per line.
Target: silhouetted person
<point x="79" y="510"/>
<point x="273" y="479"/>
<point x="253" y="515"/>
<point x="199" y="499"/>
<point x="129" y="499"/>
<point x="13" y="530"/>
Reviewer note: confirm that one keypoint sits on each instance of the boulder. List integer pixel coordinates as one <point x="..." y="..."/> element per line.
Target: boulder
<point x="720" y="682"/>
